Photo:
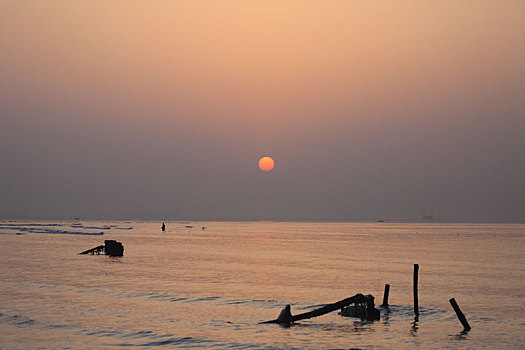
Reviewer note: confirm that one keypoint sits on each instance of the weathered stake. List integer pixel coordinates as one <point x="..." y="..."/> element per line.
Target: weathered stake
<point x="385" y="295"/>
<point x="460" y="315"/>
<point x="416" y="303"/>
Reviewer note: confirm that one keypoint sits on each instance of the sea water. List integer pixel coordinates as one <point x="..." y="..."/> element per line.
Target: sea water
<point x="191" y="287"/>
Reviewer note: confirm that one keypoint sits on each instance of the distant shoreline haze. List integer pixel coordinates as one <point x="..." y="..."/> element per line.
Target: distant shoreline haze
<point x="171" y="219"/>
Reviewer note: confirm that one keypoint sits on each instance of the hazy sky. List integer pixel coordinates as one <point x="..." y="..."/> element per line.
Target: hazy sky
<point x="162" y="109"/>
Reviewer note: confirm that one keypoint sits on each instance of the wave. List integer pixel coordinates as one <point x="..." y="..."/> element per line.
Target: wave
<point x="45" y="228"/>
<point x="23" y="230"/>
<point x="45" y="225"/>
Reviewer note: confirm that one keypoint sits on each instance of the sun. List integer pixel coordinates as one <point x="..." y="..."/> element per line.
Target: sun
<point x="266" y="163"/>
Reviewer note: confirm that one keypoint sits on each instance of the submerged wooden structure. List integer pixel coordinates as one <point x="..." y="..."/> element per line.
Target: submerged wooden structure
<point x="363" y="307"/>
<point x="364" y="310"/>
<point x="110" y="247"/>
<point x="286" y="317"/>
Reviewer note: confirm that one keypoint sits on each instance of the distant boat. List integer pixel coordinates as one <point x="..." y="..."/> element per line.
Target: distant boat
<point x="428" y="218"/>
<point x="380" y="220"/>
<point x="189" y="226"/>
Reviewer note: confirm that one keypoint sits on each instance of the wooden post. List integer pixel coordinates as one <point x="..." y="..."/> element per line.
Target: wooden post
<point x="460" y="315"/>
<point x="416" y="304"/>
<point x="385" y="295"/>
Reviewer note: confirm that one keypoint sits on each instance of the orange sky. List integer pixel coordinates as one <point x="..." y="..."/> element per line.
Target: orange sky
<point x="296" y="79"/>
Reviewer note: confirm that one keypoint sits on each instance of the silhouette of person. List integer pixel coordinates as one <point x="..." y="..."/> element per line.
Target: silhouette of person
<point x="163" y="227"/>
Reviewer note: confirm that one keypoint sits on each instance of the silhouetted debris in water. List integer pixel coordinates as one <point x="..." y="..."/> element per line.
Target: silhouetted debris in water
<point x="460" y="314"/>
<point x="371" y="313"/>
<point x="110" y="247"/>
<point x="364" y="307"/>
<point x="97" y="250"/>
<point x="365" y="311"/>
<point x="416" y="301"/>
<point x="114" y="248"/>
<point x="385" y="295"/>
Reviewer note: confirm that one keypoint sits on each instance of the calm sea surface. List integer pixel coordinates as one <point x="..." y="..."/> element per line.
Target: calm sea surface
<point x="195" y="288"/>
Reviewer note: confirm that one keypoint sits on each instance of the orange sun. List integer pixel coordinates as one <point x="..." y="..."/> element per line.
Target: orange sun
<point x="266" y="163"/>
